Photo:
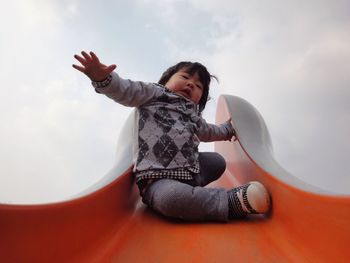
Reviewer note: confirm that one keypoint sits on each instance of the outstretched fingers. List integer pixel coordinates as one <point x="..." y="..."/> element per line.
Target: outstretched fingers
<point x="80" y="59"/>
<point x="85" y="60"/>
<point x="82" y="69"/>
<point x="92" y="67"/>
<point x="86" y="56"/>
<point x="94" y="57"/>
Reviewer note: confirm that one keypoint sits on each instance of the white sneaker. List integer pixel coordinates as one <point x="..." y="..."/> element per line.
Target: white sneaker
<point x="251" y="198"/>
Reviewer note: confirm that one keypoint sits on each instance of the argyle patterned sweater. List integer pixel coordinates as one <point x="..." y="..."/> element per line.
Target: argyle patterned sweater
<point x="168" y="129"/>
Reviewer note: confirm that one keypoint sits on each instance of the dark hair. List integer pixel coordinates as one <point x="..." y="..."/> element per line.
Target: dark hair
<point x="191" y="68"/>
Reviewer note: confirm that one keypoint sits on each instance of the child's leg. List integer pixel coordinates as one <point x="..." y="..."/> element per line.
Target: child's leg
<point x="251" y="198"/>
<point x="212" y="166"/>
<point x="190" y="201"/>
<point x="175" y="199"/>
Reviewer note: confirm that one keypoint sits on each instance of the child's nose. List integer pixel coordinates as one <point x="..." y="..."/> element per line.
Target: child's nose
<point x="190" y="84"/>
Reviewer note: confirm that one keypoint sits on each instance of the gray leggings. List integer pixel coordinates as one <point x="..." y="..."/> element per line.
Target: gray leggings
<point x="190" y="200"/>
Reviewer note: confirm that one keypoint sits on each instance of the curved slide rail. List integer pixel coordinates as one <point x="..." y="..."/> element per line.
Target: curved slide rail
<point x="108" y="223"/>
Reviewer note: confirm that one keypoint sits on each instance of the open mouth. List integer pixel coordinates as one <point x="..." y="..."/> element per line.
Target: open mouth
<point x="186" y="93"/>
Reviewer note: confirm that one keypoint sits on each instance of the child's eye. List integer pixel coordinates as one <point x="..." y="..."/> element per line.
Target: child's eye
<point x="184" y="76"/>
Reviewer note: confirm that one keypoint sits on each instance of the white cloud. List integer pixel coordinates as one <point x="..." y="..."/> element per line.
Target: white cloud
<point x="51" y="116"/>
<point x="34" y="13"/>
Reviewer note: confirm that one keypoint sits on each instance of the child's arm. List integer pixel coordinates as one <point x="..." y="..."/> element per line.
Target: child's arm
<point x="210" y="132"/>
<point x="127" y="92"/>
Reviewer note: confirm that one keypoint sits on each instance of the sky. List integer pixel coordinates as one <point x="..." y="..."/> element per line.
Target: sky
<point x="290" y="59"/>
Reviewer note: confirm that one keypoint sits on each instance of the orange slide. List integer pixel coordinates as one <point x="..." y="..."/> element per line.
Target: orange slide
<point x="109" y="223"/>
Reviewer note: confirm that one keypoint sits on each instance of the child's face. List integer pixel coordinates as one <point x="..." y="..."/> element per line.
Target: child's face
<point x="186" y="85"/>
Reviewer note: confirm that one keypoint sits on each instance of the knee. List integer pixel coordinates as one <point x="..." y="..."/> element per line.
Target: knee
<point x="221" y="163"/>
<point x="218" y="164"/>
<point x="212" y="159"/>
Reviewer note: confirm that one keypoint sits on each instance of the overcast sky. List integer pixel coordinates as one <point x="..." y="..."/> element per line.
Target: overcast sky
<point x="290" y="59"/>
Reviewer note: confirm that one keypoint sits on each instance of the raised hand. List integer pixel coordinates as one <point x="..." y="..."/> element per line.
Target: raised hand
<point x="92" y="67"/>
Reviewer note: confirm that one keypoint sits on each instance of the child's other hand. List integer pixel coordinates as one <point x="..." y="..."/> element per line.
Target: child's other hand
<point x="233" y="129"/>
<point x="92" y="67"/>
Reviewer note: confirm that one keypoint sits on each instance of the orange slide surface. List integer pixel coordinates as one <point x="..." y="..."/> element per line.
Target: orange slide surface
<point x="110" y="224"/>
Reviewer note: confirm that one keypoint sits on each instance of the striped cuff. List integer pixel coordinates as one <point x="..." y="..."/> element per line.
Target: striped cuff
<point x="103" y="83"/>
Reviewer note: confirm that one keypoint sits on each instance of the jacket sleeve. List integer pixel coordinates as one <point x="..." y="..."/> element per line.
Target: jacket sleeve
<point x="126" y="92"/>
<point x="210" y="132"/>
